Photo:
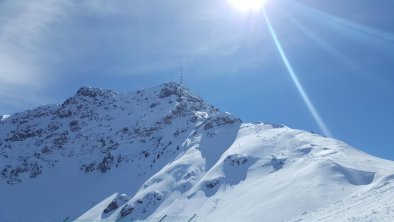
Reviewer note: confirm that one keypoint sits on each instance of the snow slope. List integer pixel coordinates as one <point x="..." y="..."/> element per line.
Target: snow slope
<point x="163" y="153"/>
<point x="375" y="204"/>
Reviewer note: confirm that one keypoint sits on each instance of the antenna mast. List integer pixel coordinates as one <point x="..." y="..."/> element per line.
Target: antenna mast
<point x="181" y="76"/>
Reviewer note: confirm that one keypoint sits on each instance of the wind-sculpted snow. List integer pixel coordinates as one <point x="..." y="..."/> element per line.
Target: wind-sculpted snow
<point x="375" y="204"/>
<point x="163" y="153"/>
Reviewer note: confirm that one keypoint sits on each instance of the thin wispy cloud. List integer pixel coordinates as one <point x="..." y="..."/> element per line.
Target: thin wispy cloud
<point x="22" y="38"/>
<point x="45" y="43"/>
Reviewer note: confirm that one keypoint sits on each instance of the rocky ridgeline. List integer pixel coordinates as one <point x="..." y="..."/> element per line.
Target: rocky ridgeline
<point x="102" y="129"/>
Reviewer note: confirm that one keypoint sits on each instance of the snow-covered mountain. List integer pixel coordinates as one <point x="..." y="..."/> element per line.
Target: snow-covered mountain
<point x="164" y="154"/>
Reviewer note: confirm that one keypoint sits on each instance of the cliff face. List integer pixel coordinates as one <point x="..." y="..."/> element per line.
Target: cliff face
<point x="101" y="128"/>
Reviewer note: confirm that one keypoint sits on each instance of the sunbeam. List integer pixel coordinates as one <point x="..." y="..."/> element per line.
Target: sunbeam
<point x="296" y="81"/>
<point x="319" y="41"/>
<point x="363" y="34"/>
<point x="348" y="24"/>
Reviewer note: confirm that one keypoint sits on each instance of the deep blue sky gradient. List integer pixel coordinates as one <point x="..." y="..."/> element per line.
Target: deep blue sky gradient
<point x="342" y="52"/>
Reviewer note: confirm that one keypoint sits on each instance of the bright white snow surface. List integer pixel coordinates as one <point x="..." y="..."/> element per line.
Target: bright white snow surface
<point x="3" y="117"/>
<point x="163" y="153"/>
<point x="373" y="205"/>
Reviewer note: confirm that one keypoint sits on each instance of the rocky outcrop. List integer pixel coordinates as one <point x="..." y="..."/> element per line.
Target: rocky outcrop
<point x="104" y="129"/>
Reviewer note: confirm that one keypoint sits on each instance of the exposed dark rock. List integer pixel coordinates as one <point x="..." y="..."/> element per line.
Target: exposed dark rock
<point x="74" y="126"/>
<point x="106" y="163"/>
<point x="169" y="91"/>
<point x="24" y="134"/>
<point x="87" y="91"/>
<point x="236" y="160"/>
<point x="153" y="105"/>
<point x="219" y="121"/>
<point x="12" y="175"/>
<point x="64" y="113"/>
<point x="88" y="168"/>
<point x="126" y="210"/>
<point x="212" y="183"/>
<point x="61" y="139"/>
<point x="112" y="206"/>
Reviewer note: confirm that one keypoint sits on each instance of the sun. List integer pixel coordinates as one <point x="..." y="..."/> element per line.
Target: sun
<point x="247" y="5"/>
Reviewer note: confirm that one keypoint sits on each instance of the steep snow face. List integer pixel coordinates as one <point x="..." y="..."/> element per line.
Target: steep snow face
<point x="164" y="153"/>
<point x="267" y="172"/>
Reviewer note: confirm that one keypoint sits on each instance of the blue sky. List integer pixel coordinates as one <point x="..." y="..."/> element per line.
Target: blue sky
<point x="341" y="51"/>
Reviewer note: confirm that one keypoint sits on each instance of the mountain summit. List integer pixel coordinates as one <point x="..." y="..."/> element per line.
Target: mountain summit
<point x="164" y="154"/>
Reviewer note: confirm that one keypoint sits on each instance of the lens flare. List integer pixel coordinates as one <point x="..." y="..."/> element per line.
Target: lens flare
<point x="247" y="5"/>
<point x="296" y="81"/>
<point x="371" y="37"/>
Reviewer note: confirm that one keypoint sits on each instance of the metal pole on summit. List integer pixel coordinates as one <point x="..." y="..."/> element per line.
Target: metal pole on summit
<point x="181" y="80"/>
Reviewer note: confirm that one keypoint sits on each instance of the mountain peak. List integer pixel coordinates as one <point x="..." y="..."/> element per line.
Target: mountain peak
<point x="162" y="91"/>
<point x="171" y="88"/>
<point x="99" y="120"/>
<point x="171" y="84"/>
<point x="163" y="151"/>
<point x="94" y="92"/>
<point x="177" y="90"/>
